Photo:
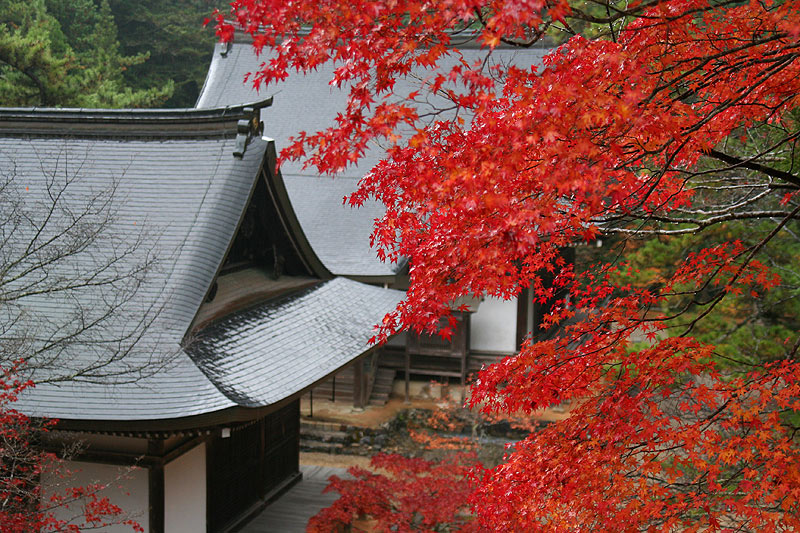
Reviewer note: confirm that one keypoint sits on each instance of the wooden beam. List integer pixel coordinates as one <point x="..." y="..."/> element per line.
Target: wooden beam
<point x="104" y="457"/>
<point x="182" y="448"/>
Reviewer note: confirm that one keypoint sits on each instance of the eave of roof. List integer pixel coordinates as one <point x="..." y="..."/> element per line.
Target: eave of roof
<point x="263" y="354"/>
<point x="269" y="354"/>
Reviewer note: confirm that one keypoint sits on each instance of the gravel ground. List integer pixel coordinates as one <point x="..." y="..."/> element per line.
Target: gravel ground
<point x="333" y="460"/>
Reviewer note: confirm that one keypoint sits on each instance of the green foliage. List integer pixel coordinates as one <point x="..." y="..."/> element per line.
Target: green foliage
<point x="750" y="327"/>
<point x="66" y="53"/>
<point x="747" y="328"/>
<point x="172" y="33"/>
<point x="561" y="31"/>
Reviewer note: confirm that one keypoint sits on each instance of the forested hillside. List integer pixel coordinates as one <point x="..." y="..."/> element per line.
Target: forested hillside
<point x="172" y="33"/>
<point x="101" y="53"/>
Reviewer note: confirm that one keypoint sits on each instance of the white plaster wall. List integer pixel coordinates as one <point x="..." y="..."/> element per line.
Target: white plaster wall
<point x="126" y="488"/>
<point x="493" y="327"/>
<point x="185" y="492"/>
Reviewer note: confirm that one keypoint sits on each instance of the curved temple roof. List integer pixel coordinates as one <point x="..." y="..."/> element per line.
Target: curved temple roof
<point x="157" y="196"/>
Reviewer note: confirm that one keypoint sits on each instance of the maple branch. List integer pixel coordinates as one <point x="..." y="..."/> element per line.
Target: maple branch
<point x="699" y="224"/>
<point x="750" y="164"/>
<point x="610" y="22"/>
<point x="537" y="33"/>
<point x="709" y="59"/>
<point x="618" y="14"/>
<point x="699" y="218"/>
<point x="753" y="251"/>
<point x="729" y="103"/>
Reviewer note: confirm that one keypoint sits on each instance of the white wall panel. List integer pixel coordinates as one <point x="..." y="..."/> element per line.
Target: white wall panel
<point x="494" y="326"/>
<point x="185" y="492"/>
<point x="125" y="487"/>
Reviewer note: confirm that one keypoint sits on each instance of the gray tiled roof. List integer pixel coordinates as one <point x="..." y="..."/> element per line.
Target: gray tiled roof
<point x="338" y="234"/>
<point x="182" y="198"/>
<point x="263" y="354"/>
<point x="175" y="195"/>
<point x="307" y="102"/>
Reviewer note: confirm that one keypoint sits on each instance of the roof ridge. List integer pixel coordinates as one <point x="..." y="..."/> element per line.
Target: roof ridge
<point x="241" y="119"/>
<point x="460" y="39"/>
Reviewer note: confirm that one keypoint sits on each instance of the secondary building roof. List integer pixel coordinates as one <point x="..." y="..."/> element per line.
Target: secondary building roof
<point x="307" y="102"/>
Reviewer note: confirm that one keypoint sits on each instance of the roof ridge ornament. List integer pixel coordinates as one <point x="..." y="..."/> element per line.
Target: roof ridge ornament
<point x="246" y="129"/>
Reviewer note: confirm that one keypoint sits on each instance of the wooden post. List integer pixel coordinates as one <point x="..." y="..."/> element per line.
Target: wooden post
<point x="263" y="468"/>
<point x="459" y="347"/>
<point x="155" y="485"/>
<point x="523" y="299"/>
<point x="358" y="384"/>
<point x="408" y="371"/>
<point x="467" y="317"/>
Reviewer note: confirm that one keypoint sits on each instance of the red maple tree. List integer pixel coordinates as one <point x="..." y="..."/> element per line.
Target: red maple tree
<point x="27" y="505"/>
<point x="402" y="494"/>
<point x="656" y="118"/>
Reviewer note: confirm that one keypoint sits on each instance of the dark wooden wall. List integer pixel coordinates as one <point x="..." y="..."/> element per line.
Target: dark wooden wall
<point x="256" y="458"/>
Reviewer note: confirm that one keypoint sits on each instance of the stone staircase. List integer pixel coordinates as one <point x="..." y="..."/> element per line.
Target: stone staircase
<point x="324" y="437"/>
<point x="335" y="438"/>
<point x="382" y="388"/>
<point x="340" y="387"/>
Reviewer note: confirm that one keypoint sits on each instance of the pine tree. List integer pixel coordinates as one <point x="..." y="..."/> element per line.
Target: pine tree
<point x="66" y="53"/>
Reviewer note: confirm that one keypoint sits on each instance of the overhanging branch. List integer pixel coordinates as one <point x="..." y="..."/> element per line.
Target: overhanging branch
<point x="748" y="163"/>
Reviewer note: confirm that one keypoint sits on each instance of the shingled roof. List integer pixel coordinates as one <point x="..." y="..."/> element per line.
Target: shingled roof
<point x="307" y="102"/>
<point x="170" y="188"/>
<point x="261" y="355"/>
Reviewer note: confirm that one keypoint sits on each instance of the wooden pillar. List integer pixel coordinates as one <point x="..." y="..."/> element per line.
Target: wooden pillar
<point x="366" y="371"/>
<point x="408" y="369"/>
<point x="263" y="469"/>
<point x="358" y="384"/>
<point x="155" y="485"/>
<point x="463" y="346"/>
<point x="467" y="352"/>
<point x="523" y="299"/>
